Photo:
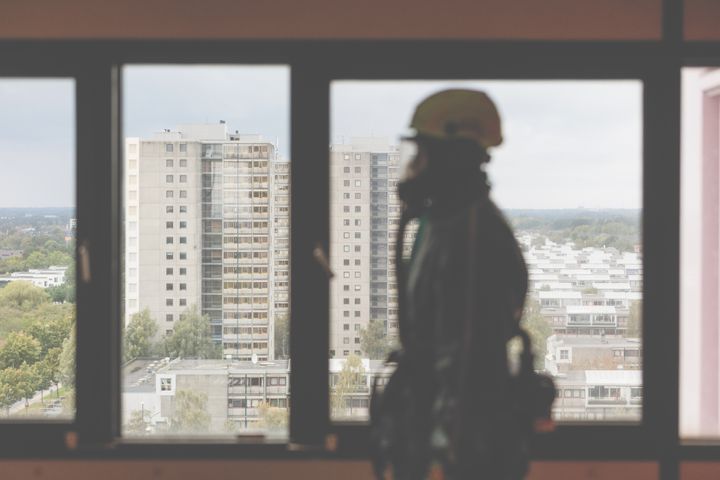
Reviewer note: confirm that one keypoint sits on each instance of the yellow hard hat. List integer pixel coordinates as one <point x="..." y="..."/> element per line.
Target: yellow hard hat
<point x="459" y="113"/>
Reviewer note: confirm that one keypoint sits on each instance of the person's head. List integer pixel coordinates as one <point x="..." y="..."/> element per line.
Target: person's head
<point x="452" y="131"/>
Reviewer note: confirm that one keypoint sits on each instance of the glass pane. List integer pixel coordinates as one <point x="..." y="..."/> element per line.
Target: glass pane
<point x="37" y="249"/>
<point x="700" y="242"/>
<point x="567" y="178"/>
<point x="206" y="250"/>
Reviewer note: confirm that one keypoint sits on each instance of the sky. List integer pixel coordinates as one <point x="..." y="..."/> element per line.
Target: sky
<point x="568" y="144"/>
<point x="37" y="142"/>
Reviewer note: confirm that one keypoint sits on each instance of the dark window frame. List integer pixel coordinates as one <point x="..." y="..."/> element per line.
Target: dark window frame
<point x="96" y="66"/>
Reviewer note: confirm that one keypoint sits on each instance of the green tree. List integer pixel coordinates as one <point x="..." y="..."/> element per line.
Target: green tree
<point x="190" y="413"/>
<point x="282" y="336"/>
<point x="19" y="348"/>
<point x="139" y="335"/>
<point x="135" y="425"/>
<point x="538" y="328"/>
<point x="350" y="379"/>
<point x="8" y="395"/>
<point x="272" y="418"/>
<point x="191" y="337"/>
<point x="374" y="340"/>
<point x="48" y="369"/>
<point x="23" y="295"/>
<point x="51" y="333"/>
<point x="634" y="325"/>
<point x="23" y="382"/>
<point x="66" y="361"/>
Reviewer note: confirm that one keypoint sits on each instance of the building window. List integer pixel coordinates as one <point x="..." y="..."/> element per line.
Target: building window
<point x="183" y="162"/>
<point x="183" y="256"/>
<point x="168" y="240"/>
<point x="183" y="286"/>
<point x="168" y="255"/>
<point x="182" y="302"/>
<point x="183" y="271"/>
<point x="168" y="179"/>
<point x="168" y="147"/>
<point x="183" y="148"/>
<point x="169" y="194"/>
<point x="168" y="286"/>
<point x="168" y="224"/>
<point x="169" y="317"/>
<point x="183" y="193"/>
<point x="169" y="271"/>
<point x="183" y="178"/>
<point x="183" y="208"/>
<point x="169" y="163"/>
<point x="168" y="302"/>
<point x="183" y="224"/>
<point x="183" y="240"/>
<point x="169" y="209"/>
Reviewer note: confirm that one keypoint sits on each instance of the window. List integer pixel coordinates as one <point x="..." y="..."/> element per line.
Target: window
<point x="168" y="224"/>
<point x="168" y="302"/>
<point x="169" y="163"/>
<point x="168" y="179"/>
<point x="169" y="271"/>
<point x="168" y="147"/>
<point x="168" y="286"/>
<point x="168" y="255"/>
<point x="231" y="182"/>
<point x="169" y="209"/>
<point x="38" y="227"/>
<point x="169" y="317"/>
<point x="594" y="268"/>
<point x="168" y="194"/>
<point x="168" y="240"/>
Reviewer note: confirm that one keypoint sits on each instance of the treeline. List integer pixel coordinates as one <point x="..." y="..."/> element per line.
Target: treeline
<point x="37" y="343"/>
<point x="619" y="229"/>
<point x="191" y="337"/>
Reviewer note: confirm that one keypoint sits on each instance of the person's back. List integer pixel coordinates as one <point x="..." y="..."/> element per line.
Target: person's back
<point x="461" y="298"/>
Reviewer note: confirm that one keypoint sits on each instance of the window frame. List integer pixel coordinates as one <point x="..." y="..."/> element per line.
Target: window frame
<point x="96" y="69"/>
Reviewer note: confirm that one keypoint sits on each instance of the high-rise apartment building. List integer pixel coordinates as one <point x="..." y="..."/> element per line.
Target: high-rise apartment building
<point x="207" y="216"/>
<point x="365" y="212"/>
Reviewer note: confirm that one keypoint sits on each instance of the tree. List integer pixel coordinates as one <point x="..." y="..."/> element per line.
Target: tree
<point x="350" y="379"/>
<point x="66" y="360"/>
<point x="374" y="340"/>
<point x="52" y="333"/>
<point x="191" y="337"/>
<point x="23" y="383"/>
<point x="19" y="348"/>
<point x="190" y="413"/>
<point x="282" y="336"/>
<point x="135" y="425"/>
<point x="22" y="294"/>
<point x="139" y="334"/>
<point x="7" y="394"/>
<point x="634" y="325"/>
<point x="539" y="330"/>
<point x="48" y="370"/>
<point x="272" y="417"/>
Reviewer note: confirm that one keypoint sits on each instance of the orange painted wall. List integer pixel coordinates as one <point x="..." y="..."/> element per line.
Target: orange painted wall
<point x="469" y="19"/>
<point x="289" y="470"/>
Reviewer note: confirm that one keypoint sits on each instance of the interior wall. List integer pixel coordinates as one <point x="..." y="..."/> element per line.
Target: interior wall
<point x="295" y="470"/>
<point x="468" y="19"/>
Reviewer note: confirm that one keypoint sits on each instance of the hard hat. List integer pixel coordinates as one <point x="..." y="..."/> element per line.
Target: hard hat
<point x="458" y="113"/>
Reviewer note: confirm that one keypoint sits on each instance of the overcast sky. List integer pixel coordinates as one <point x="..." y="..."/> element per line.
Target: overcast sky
<point x="37" y="143"/>
<point x="567" y="144"/>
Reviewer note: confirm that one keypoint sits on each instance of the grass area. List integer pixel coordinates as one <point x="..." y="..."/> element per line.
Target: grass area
<point x="36" y="409"/>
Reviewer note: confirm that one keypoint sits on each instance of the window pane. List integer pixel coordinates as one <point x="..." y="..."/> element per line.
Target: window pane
<point x="206" y="329"/>
<point x="567" y="178"/>
<point x="37" y="249"/>
<point x="700" y="242"/>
